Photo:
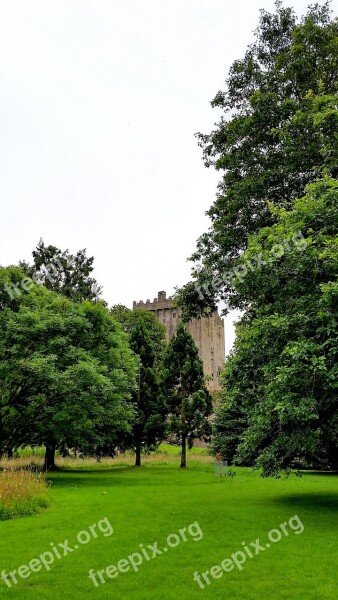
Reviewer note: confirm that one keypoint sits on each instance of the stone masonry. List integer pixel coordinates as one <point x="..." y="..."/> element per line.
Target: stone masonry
<point x="208" y="334"/>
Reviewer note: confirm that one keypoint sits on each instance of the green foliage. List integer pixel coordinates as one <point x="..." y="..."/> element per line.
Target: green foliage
<point x="64" y="273"/>
<point x="189" y="400"/>
<point x="279" y="405"/>
<point x="11" y="289"/>
<point x="278" y="132"/>
<point x="147" y="340"/>
<point x="66" y="373"/>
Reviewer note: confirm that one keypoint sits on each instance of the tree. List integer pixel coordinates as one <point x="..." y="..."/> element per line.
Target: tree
<point x="66" y="373"/>
<point x="278" y="132"/>
<point x="64" y="273"/>
<point x="147" y="340"/>
<point x="189" y="400"/>
<point x="279" y="402"/>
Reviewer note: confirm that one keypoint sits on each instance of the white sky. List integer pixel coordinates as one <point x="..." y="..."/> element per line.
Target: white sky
<point x="99" y="103"/>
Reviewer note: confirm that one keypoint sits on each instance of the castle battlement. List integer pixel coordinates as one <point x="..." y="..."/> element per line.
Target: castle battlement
<point x="160" y="302"/>
<point x="207" y="332"/>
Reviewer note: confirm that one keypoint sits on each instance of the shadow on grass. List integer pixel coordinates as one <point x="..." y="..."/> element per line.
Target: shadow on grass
<point x="322" y="473"/>
<point x="119" y="476"/>
<point x="94" y="477"/>
<point x="316" y="502"/>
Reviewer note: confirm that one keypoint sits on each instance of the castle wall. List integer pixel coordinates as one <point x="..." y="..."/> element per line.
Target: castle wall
<point x="208" y="334"/>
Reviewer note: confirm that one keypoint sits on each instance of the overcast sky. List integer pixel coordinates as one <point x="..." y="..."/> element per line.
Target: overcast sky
<point x="99" y="103"/>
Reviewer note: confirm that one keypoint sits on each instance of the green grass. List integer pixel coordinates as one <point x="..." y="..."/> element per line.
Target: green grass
<point x="23" y="508"/>
<point x="22" y="493"/>
<point x="28" y="451"/>
<point x="175" y="450"/>
<point x="146" y="505"/>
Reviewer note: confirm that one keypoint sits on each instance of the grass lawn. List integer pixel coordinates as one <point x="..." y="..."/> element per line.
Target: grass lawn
<point x="145" y="505"/>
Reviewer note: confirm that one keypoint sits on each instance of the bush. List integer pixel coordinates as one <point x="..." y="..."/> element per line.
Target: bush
<point x="22" y="493"/>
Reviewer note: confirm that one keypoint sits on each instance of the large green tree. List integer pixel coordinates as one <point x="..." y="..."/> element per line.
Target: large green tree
<point x="147" y="340"/>
<point x="66" y="373"/>
<point x="64" y="273"/>
<point x="278" y="132"/>
<point x="189" y="400"/>
<point x="279" y="405"/>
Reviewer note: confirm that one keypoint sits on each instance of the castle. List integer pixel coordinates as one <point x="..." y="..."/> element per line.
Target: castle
<point x="207" y="332"/>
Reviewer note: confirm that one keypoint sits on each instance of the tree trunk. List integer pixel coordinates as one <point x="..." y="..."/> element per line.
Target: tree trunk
<point x="184" y="452"/>
<point x="49" y="464"/>
<point x="9" y="452"/>
<point x="183" y="433"/>
<point x="137" y="427"/>
<point x="138" y="456"/>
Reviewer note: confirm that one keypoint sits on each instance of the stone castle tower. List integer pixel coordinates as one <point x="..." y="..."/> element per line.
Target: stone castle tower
<point x="208" y="334"/>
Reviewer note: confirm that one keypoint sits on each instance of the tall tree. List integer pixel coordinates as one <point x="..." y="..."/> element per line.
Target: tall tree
<point x="64" y="273"/>
<point x="147" y="341"/>
<point x="189" y="400"/>
<point x="279" y="403"/>
<point x="66" y="373"/>
<point x="278" y="132"/>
